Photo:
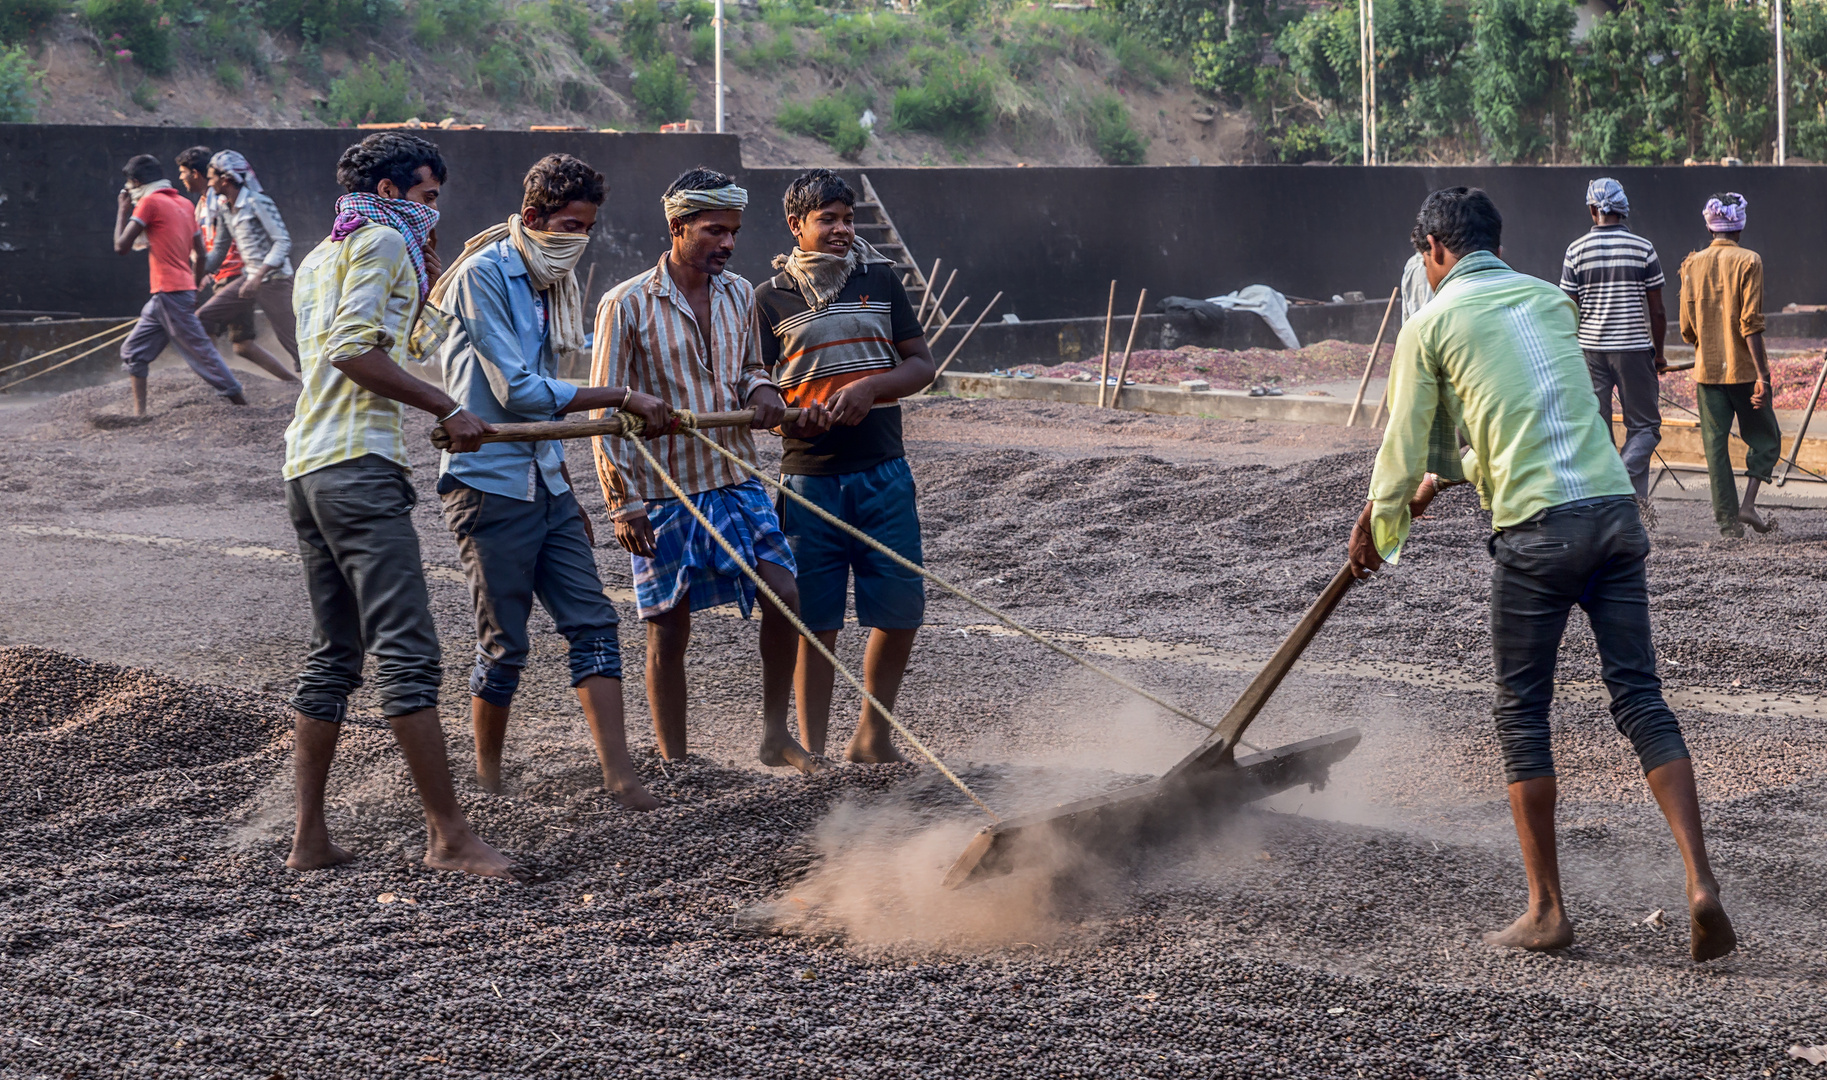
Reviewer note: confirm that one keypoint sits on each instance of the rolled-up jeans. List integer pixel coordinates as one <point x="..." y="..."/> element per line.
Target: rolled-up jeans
<point x="1590" y="552"/>
<point x="367" y="587"/>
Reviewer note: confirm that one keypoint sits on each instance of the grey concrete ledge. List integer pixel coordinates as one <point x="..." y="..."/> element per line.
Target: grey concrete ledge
<point x="1166" y="400"/>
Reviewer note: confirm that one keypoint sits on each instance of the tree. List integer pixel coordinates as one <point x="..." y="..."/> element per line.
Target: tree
<point x="1523" y="53"/>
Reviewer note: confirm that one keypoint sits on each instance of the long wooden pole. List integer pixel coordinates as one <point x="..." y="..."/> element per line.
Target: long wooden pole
<point x="1117" y="390"/>
<point x="1375" y="347"/>
<point x="949" y="357"/>
<point x="1796" y="450"/>
<point x="943" y="327"/>
<point x="926" y="292"/>
<point x="611" y="424"/>
<point x="1109" y="316"/>
<point x="939" y="304"/>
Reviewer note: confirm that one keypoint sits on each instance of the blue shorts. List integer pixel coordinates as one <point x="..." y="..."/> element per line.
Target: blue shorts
<point x="685" y="557"/>
<point x="879" y="502"/>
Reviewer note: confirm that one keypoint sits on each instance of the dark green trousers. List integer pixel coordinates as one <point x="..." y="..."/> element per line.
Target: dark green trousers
<point x="1719" y="404"/>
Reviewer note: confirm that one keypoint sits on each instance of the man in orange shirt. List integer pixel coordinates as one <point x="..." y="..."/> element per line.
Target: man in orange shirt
<point x="149" y="207"/>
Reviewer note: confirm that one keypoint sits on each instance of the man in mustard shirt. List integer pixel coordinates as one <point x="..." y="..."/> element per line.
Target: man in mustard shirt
<point x="1722" y="317"/>
<point x="1496" y="352"/>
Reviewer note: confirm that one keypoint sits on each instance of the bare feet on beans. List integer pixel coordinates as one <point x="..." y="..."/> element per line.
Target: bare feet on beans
<point x="785" y="750"/>
<point x="466" y="853"/>
<point x="315" y="853"/>
<point x="1711" y="933"/>
<point x="632" y="795"/>
<point x="871" y="750"/>
<point x="1538" y="930"/>
<point x="1762" y="523"/>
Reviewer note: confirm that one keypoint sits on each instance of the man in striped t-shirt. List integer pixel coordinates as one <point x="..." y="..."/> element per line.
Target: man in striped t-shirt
<point x="1615" y="278"/>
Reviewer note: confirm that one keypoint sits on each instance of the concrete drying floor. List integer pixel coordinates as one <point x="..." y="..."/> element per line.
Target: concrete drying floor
<point x="148" y="928"/>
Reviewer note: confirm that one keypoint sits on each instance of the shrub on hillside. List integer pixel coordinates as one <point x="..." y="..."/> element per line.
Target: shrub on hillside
<point x="23" y="20"/>
<point x="834" y="118"/>
<point x="641" y="21"/>
<point x="372" y="94"/>
<point x="1113" y="135"/>
<point x="956" y="100"/>
<point x="502" y="72"/>
<point x="329" y="20"/>
<point x="662" y="92"/>
<point x="18" y="87"/>
<point x="138" y="28"/>
<point x="452" y="22"/>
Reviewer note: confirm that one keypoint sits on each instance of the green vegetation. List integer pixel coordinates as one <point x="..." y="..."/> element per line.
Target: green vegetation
<point x="834" y="118"/>
<point x="439" y="23"/>
<point x="372" y="94"/>
<point x="662" y="93"/>
<point x="955" y="99"/>
<point x="145" y="96"/>
<point x="23" y="20"/>
<point x="327" y="20"/>
<point x="18" y="87"/>
<point x="1112" y="135"/>
<point x="229" y="75"/>
<point x="641" y="20"/>
<point x="132" y="30"/>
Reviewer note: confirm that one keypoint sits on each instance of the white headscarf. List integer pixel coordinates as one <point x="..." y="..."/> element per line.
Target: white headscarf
<point x="681" y="203"/>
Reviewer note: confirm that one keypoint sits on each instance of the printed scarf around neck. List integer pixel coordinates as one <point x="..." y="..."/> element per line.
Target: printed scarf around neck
<point x="822" y="277"/>
<point x="551" y="260"/>
<point x="412" y="220"/>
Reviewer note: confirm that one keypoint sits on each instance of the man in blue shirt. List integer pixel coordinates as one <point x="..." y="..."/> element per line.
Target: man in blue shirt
<point x="516" y="308"/>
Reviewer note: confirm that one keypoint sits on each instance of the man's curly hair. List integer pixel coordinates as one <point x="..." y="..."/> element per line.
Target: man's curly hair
<point x="388" y="155"/>
<point x="558" y="180"/>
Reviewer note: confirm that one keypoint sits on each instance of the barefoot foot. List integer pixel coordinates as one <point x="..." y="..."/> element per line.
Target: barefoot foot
<point x="466" y="853"/>
<point x="1534" y="930"/>
<point x="1710" y="931"/>
<point x="315" y="854"/>
<point x="489" y="778"/>
<point x="873" y="750"/>
<point x="785" y="750"/>
<point x="631" y="795"/>
<point x="1762" y="523"/>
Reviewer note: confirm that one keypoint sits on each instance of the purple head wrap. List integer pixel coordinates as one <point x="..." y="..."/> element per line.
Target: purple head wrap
<point x="1725" y="216"/>
<point x="412" y="220"/>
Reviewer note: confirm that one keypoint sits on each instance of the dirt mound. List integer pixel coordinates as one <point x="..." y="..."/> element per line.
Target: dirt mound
<point x="183" y="408"/>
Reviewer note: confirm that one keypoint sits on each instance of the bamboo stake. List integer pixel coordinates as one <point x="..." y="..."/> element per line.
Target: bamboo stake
<point x="1104" y="372"/>
<point x="949" y="357"/>
<point x="1796" y="450"/>
<point x="1117" y="390"/>
<point x="937" y="334"/>
<point x="1375" y="347"/>
<point x="939" y="304"/>
<point x="926" y="290"/>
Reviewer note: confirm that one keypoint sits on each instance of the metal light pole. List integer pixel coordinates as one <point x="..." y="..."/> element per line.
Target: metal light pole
<point x="1367" y="77"/>
<point x="1782" y="92"/>
<point x="1372" y="5"/>
<point x="718" y="23"/>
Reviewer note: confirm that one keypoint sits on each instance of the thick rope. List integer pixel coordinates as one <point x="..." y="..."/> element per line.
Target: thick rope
<point x="68" y="345"/>
<point x="762" y="587"/>
<point x="64" y="363"/>
<point x="909" y="564"/>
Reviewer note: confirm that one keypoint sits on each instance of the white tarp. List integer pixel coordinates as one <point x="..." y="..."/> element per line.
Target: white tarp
<point x="1264" y="301"/>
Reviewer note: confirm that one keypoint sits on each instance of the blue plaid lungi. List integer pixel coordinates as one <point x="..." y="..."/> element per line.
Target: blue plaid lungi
<point x="687" y="558"/>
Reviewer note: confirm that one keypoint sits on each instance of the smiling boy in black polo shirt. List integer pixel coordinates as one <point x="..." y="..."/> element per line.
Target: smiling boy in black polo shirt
<point x="839" y="331"/>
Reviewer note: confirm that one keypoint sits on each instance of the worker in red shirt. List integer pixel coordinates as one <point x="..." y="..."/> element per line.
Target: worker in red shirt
<point x="153" y="212"/>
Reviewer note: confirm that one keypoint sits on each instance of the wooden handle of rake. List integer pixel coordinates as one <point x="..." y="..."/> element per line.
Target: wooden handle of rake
<point x="613" y="424"/>
<point x="1219" y="745"/>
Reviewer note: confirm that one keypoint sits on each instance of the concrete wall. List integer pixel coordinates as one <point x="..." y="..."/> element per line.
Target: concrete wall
<point x="1051" y="239"/>
<point x="58" y="185"/>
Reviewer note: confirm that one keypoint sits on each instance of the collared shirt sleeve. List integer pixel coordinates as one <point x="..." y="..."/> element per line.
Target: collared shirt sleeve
<point x="268" y="213"/>
<point x="483" y="306"/>
<point x="1751" y="298"/>
<point x="1690" y="327"/>
<point x="360" y="322"/>
<point x="1414" y="395"/>
<point x="754" y="368"/>
<point x="610" y="365"/>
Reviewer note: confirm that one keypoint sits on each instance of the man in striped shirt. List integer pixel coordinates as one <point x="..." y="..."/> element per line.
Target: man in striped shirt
<point x="685" y="332"/>
<point x="1616" y="279"/>
<point x="1494" y="352"/>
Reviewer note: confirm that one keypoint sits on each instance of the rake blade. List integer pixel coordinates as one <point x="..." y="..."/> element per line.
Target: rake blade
<point x="1161" y="809"/>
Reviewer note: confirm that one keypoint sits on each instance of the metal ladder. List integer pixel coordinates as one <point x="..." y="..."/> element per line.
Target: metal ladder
<point x="881" y="233"/>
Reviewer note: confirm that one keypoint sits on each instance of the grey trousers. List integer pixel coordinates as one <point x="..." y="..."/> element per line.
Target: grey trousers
<point x="367" y="586"/>
<point x="1633" y="376"/>
<point x="172" y="317"/>
<point x="513" y="551"/>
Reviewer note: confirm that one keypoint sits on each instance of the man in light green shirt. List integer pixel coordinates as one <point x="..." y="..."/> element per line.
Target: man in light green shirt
<point x="1496" y="353"/>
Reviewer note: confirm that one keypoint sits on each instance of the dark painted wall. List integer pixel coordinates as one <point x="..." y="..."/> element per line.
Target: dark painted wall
<point x="1051" y="239"/>
<point x="58" y="185"/>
